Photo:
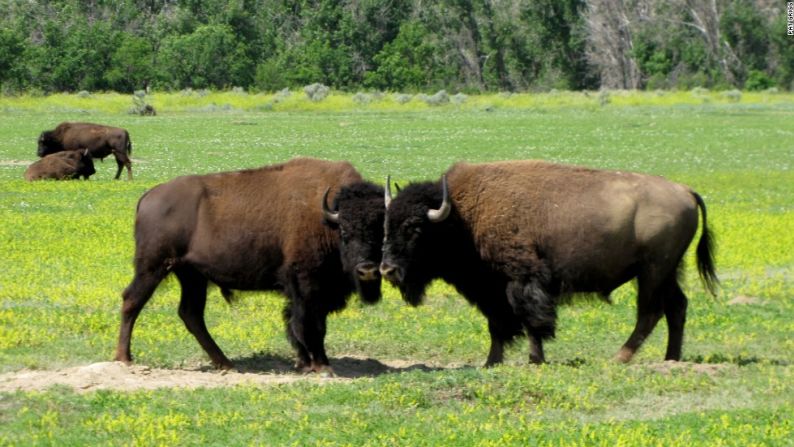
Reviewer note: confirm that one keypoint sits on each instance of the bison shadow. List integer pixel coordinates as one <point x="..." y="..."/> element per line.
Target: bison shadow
<point x="346" y="367"/>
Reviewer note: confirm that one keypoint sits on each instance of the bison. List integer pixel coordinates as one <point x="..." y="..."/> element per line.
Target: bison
<point x="269" y="228"/>
<point x="62" y="166"/>
<point x="516" y="238"/>
<point x="100" y="141"/>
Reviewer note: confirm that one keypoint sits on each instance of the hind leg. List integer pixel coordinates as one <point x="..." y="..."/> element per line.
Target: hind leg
<point x="675" y="305"/>
<point x="649" y="311"/>
<point x="537" y="310"/>
<point x="191" y="310"/>
<point x="122" y="160"/>
<point x="135" y="297"/>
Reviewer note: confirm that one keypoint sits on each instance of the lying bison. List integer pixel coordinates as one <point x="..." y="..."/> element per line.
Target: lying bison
<point x="260" y="229"/>
<point x="62" y="166"/>
<point x="100" y="141"/>
<point x="516" y="238"/>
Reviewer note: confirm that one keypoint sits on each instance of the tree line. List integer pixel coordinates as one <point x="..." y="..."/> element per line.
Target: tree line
<point x="395" y="45"/>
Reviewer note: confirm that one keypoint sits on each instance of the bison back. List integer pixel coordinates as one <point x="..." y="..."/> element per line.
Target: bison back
<point x="596" y="223"/>
<point x="240" y="228"/>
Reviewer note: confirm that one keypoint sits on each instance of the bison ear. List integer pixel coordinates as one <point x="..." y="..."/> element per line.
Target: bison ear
<point x="442" y="213"/>
<point x="397" y="187"/>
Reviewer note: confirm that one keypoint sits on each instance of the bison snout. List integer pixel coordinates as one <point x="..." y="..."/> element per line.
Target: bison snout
<point x="391" y="272"/>
<point x="367" y="271"/>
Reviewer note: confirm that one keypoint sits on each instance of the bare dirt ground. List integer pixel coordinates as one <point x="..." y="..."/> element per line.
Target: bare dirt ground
<point x="121" y="377"/>
<point x="259" y="372"/>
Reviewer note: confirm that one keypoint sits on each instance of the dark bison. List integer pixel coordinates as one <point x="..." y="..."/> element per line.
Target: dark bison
<point x="515" y="238"/>
<point x="261" y="229"/>
<point x="100" y="141"/>
<point x="62" y="166"/>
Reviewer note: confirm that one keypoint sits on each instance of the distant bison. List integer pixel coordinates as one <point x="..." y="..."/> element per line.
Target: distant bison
<point x="100" y="141"/>
<point x="515" y="238"/>
<point x="260" y="229"/>
<point x="62" y="166"/>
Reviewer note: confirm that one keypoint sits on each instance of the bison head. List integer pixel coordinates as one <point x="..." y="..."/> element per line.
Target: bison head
<point x="48" y="144"/>
<point x="85" y="166"/>
<point x="413" y="243"/>
<point x="357" y="214"/>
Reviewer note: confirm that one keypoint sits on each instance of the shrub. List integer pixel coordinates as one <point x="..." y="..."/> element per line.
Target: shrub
<point x="459" y="98"/>
<point x="758" y="80"/>
<point x="316" y="92"/>
<point x="362" y="98"/>
<point x="732" y="95"/>
<point x="140" y="106"/>
<point x="402" y="98"/>
<point x="439" y="98"/>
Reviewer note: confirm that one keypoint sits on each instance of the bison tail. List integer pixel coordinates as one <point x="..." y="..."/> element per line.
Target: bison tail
<point x="705" y="252"/>
<point x="129" y="145"/>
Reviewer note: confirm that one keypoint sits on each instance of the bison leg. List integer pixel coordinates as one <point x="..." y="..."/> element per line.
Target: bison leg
<point x="294" y="327"/>
<point x="122" y="160"/>
<point x="538" y="312"/>
<point x="191" y="310"/>
<point x="649" y="311"/>
<point x="135" y="297"/>
<point x="307" y="324"/>
<point x="675" y="305"/>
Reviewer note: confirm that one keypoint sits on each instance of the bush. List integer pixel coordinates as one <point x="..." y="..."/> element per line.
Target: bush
<point x="362" y="98"/>
<point x="316" y="92"/>
<point x="441" y="97"/>
<point x="459" y="98"/>
<point x="140" y="106"/>
<point x="402" y="98"/>
<point x="732" y="95"/>
<point x="758" y="80"/>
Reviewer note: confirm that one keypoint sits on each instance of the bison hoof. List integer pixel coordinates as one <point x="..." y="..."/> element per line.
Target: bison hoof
<point x="624" y="355"/>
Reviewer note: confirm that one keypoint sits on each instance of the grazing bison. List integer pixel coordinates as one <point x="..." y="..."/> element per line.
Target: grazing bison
<point x="260" y="229"/>
<point x="515" y="238"/>
<point x="100" y="141"/>
<point x="62" y="166"/>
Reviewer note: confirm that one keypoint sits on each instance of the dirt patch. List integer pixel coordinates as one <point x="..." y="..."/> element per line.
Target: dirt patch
<point x="15" y="162"/>
<point x="743" y="299"/>
<point x="668" y="367"/>
<point x="121" y="377"/>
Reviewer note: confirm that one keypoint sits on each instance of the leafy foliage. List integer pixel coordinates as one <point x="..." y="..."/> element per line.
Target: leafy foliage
<point x="403" y="45"/>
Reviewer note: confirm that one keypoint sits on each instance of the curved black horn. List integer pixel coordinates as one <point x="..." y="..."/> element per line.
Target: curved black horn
<point x="442" y="213"/>
<point x="387" y="192"/>
<point x="329" y="215"/>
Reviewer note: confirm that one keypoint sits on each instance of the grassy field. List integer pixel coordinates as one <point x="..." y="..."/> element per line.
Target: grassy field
<point x="67" y="253"/>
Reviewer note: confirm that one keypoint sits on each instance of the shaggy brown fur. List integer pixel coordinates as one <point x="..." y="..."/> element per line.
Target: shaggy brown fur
<point x="259" y="229"/>
<point x="534" y="232"/>
<point x="100" y="141"/>
<point x="61" y="166"/>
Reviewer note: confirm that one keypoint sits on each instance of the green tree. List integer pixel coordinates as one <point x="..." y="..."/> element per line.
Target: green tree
<point x="211" y="56"/>
<point x="132" y="65"/>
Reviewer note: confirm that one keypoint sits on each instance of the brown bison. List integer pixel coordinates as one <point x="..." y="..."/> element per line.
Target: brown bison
<point x="100" y="141"/>
<point x="62" y="166"/>
<point x="260" y="229"/>
<point x="515" y="238"/>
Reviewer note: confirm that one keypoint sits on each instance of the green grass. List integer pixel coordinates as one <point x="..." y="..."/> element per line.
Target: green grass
<point x="67" y="254"/>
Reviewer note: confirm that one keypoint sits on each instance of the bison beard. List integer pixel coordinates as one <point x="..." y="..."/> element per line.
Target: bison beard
<point x="260" y="229"/>
<point x="516" y="238"/>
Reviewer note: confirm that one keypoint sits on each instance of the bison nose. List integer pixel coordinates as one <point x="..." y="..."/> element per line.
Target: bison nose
<point x="367" y="271"/>
<point x="390" y="271"/>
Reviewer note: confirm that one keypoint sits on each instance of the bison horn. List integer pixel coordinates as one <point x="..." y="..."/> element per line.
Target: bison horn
<point x="387" y="193"/>
<point x="329" y="215"/>
<point x="442" y="213"/>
